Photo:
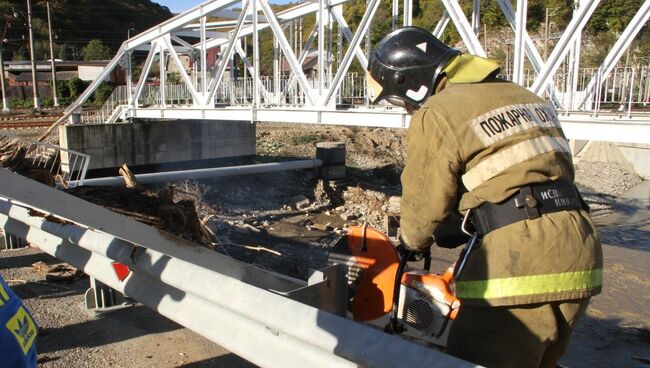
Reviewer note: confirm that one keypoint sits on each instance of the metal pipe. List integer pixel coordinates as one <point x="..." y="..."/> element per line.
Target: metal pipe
<point x="214" y="172"/>
<point x="631" y="98"/>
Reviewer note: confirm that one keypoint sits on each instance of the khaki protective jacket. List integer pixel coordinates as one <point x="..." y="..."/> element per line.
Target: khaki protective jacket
<point x="472" y="143"/>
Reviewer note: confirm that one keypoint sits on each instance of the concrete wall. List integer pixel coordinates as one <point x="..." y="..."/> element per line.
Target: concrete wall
<point x="638" y="155"/>
<point x="159" y="142"/>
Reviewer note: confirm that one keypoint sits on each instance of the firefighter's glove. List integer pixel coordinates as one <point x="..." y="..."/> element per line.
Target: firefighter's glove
<point x="449" y="233"/>
<point x="412" y="254"/>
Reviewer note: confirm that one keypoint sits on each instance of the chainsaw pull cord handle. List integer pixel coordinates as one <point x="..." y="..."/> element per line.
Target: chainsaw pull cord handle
<point x="364" y="245"/>
<point x="468" y="248"/>
<point x="393" y="326"/>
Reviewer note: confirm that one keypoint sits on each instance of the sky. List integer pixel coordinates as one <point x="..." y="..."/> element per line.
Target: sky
<point x="178" y="6"/>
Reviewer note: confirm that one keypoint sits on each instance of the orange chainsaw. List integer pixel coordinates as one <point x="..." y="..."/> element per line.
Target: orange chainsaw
<point x="380" y="284"/>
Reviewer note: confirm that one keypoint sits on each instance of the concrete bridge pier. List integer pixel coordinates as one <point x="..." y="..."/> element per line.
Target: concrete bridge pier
<point x="147" y="145"/>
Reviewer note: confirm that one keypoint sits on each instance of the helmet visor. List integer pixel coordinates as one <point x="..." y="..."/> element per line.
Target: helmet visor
<point x="374" y="88"/>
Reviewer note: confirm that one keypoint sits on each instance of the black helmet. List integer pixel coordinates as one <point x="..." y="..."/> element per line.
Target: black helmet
<point x="405" y="65"/>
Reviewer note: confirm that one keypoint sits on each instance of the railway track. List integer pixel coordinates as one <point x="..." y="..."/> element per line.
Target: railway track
<point x="25" y="124"/>
<point x="26" y="121"/>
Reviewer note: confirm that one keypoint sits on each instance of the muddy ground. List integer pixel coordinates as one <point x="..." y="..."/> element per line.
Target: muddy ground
<point x="286" y="222"/>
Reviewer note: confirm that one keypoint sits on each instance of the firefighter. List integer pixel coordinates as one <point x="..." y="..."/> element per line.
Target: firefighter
<point x="18" y="331"/>
<point x="493" y="151"/>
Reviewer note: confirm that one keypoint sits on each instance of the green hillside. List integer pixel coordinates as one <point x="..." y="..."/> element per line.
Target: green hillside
<point x="75" y="23"/>
<point x="605" y="26"/>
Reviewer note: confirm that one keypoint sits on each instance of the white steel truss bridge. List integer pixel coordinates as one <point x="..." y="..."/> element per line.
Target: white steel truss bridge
<point x="206" y="86"/>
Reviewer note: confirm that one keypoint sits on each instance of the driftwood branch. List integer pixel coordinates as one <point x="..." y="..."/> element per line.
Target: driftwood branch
<point x="129" y="178"/>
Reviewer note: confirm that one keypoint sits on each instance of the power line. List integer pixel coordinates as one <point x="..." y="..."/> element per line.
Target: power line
<point x="76" y="30"/>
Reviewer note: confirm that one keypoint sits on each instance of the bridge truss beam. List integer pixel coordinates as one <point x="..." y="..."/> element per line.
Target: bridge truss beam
<point x="193" y="34"/>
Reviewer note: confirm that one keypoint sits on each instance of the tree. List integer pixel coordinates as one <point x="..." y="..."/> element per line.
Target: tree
<point x="613" y="15"/>
<point x="65" y="52"/>
<point x="95" y="50"/>
<point x="20" y="54"/>
<point x="76" y="86"/>
<point x="102" y="93"/>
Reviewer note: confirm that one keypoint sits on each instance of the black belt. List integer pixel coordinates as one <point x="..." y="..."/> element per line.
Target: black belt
<point x="529" y="202"/>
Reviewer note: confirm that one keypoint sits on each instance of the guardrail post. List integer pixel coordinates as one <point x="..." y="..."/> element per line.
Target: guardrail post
<point x="9" y="241"/>
<point x="102" y="298"/>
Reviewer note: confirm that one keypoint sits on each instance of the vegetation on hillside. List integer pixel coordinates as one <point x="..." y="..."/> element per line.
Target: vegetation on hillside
<point x="608" y="21"/>
<point x="92" y="29"/>
<point x="75" y="23"/>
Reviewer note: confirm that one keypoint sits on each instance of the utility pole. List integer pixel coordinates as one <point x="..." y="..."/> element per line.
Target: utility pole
<point x="52" y="62"/>
<point x="485" y="38"/>
<point x="547" y="27"/>
<point x="31" y="55"/>
<point x="3" y="82"/>
<point x="5" y="105"/>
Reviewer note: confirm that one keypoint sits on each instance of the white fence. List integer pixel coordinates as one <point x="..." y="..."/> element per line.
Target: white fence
<point x="66" y="166"/>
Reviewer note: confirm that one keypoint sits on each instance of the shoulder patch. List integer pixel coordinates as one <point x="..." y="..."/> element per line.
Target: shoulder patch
<point x="4" y="297"/>
<point x="23" y="328"/>
<point x="506" y="121"/>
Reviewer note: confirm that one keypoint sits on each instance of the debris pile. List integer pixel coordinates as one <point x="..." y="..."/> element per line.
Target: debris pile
<point x="154" y="209"/>
<point x="158" y="209"/>
<point x="13" y="156"/>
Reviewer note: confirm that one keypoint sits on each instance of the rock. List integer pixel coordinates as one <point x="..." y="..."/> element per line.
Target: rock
<point x="300" y="201"/>
<point x="346" y="216"/>
<point x="266" y="223"/>
<point x="323" y="227"/>
<point x="340" y="209"/>
<point x="394" y="204"/>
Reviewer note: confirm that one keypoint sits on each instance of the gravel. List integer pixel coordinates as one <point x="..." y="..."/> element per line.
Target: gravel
<point x="71" y="336"/>
<point x="601" y="183"/>
<point x="605" y="178"/>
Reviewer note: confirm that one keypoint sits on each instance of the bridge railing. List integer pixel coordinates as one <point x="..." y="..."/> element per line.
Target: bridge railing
<point x="624" y="90"/>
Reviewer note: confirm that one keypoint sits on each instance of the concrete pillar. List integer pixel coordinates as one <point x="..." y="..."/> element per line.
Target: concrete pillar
<point x="75" y="119"/>
<point x="333" y="156"/>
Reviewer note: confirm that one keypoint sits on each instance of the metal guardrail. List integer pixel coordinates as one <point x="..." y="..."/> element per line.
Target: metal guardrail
<point x="230" y="303"/>
<point x="68" y="167"/>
